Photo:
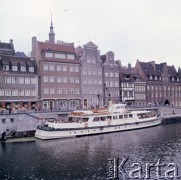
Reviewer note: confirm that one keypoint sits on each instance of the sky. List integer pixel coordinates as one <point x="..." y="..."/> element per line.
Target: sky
<point x="148" y="30"/>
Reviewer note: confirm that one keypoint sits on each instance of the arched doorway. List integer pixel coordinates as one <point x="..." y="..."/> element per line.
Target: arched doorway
<point x="166" y="103"/>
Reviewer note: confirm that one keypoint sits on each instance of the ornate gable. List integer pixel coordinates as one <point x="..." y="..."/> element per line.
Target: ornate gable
<point x="90" y="44"/>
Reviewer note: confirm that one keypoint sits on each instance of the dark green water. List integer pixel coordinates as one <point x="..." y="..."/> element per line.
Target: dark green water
<point x="87" y="157"/>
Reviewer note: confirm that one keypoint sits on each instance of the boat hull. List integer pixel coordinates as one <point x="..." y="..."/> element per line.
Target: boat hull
<point x="73" y="132"/>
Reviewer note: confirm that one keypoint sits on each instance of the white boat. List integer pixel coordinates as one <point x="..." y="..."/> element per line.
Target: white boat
<point x="97" y="121"/>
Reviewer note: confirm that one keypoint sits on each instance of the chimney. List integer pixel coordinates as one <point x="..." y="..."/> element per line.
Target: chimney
<point x="153" y="64"/>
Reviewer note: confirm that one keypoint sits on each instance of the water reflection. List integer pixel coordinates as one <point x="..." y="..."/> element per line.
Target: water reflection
<point x="86" y="157"/>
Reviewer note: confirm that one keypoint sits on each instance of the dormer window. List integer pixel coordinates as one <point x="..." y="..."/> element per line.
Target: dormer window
<point x="14" y="68"/>
<point x="151" y="77"/>
<point x="23" y="68"/>
<point x="5" y="67"/>
<point x="155" y="77"/>
<point x="172" y="79"/>
<point x="48" y="55"/>
<point x="31" y="69"/>
<point x="70" y="56"/>
<point x="177" y="79"/>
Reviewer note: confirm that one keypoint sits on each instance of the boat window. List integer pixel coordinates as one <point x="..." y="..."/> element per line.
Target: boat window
<point x="103" y="118"/>
<point x="114" y="117"/>
<point x="84" y="119"/>
<point x="130" y="115"/>
<point x="108" y="117"/>
<point x="126" y="116"/>
<point x="120" y="116"/>
<point x="96" y="119"/>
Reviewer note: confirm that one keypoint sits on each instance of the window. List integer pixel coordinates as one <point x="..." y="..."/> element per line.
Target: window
<point x="33" y="80"/>
<point x="48" y="55"/>
<point x="116" y="84"/>
<point x="95" y="81"/>
<point x="21" y="80"/>
<point x="84" y="81"/>
<point x="70" y="56"/>
<point x="7" y="92"/>
<point x="64" y="91"/>
<point x="27" y="80"/>
<point x="27" y="92"/>
<point x="14" y="80"/>
<point x="90" y="81"/>
<point x="3" y="121"/>
<point x="5" y="67"/>
<point x="12" y="120"/>
<point x="77" y="80"/>
<point x="8" y="80"/>
<point x="51" y="79"/>
<point x="71" y="91"/>
<point x="14" y="92"/>
<point x="45" y="78"/>
<point x="100" y="72"/>
<point x="71" y="68"/>
<point x="85" y="72"/>
<point x="65" y="79"/>
<point x="99" y="81"/>
<point x="60" y="56"/>
<point x="33" y="93"/>
<point x="51" y="67"/>
<point x="64" y="68"/>
<point x="31" y="69"/>
<point x="46" y="90"/>
<point x="71" y="79"/>
<point x="23" y="68"/>
<point x="59" y="68"/>
<point x="77" y="91"/>
<point x="21" y="92"/>
<point x="1" y="92"/>
<point x="111" y="74"/>
<point x="76" y="69"/>
<point x="59" y="79"/>
<point x="14" y="68"/>
<point x="45" y="67"/>
<point x="59" y="91"/>
<point x="94" y="72"/>
<point x="111" y="84"/>
<point x="52" y="91"/>
<point x="116" y="75"/>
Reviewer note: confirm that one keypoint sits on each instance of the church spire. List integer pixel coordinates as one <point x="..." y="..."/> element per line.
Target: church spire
<point x="51" y="33"/>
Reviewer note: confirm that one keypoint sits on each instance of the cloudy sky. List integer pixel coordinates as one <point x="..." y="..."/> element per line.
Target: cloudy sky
<point x="133" y="29"/>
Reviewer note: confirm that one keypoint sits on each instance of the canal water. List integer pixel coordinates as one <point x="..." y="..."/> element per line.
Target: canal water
<point x="89" y="157"/>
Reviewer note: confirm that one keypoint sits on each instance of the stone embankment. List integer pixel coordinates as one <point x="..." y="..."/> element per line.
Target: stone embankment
<point x="24" y="124"/>
<point x="170" y="114"/>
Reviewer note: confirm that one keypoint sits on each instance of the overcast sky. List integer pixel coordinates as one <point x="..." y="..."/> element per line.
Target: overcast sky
<point x="133" y="29"/>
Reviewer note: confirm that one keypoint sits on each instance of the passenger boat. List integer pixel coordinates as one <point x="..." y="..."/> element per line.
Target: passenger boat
<point x="104" y="120"/>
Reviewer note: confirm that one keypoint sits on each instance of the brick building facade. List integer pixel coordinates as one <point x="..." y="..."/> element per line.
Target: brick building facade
<point x="18" y="79"/>
<point x="59" y="70"/>
<point x="163" y="83"/>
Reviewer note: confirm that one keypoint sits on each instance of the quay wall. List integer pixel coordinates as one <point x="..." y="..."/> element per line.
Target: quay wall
<point x="22" y="122"/>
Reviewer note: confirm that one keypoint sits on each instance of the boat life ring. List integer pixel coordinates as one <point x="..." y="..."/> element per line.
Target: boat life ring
<point x="86" y="125"/>
<point x="109" y="122"/>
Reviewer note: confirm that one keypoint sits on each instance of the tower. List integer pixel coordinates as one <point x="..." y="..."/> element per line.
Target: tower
<point x="51" y="33"/>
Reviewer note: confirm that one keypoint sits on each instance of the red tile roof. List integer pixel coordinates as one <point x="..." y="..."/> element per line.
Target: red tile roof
<point x="56" y="47"/>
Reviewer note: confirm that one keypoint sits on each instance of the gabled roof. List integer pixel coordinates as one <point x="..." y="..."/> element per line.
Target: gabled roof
<point x="157" y="69"/>
<point x="69" y="48"/>
<point x="6" y="48"/>
<point x="15" y="60"/>
<point x="20" y="54"/>
<point x="90" y="44"/>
